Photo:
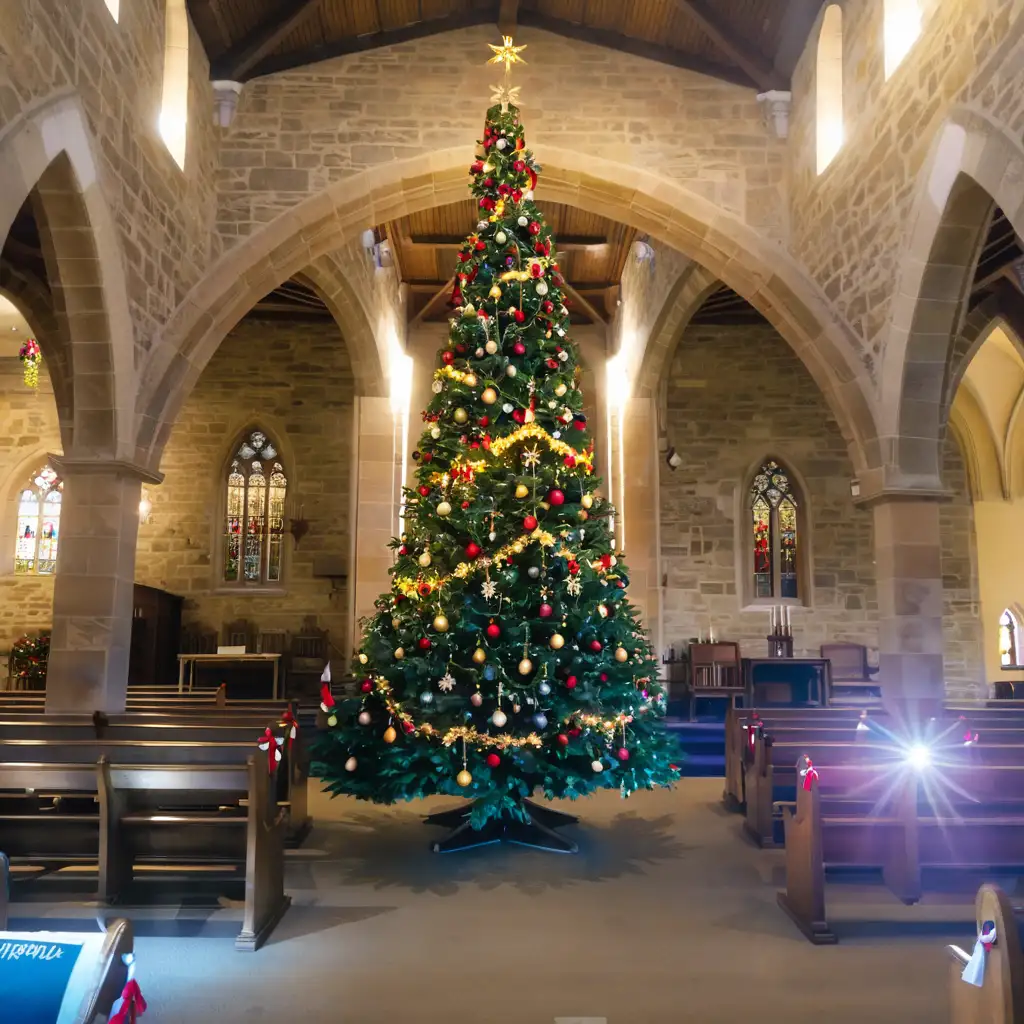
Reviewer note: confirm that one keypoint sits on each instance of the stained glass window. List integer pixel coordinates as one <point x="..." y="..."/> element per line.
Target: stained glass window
<point x="35" y="549"/>
<point x="1007" y="638"/>
<point x="774" y="521"/>
<point x="254" y="513"/>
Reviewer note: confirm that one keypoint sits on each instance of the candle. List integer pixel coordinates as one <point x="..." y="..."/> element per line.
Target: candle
<point x="711" y="634"/>
<point x="771" y="616"/>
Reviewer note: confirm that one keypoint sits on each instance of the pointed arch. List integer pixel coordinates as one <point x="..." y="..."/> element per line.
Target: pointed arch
<point x="48" y="154"/>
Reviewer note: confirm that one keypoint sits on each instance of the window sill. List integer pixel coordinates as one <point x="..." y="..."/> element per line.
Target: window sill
<point x="1011" y="668"/>
<point x="253" y="591"/>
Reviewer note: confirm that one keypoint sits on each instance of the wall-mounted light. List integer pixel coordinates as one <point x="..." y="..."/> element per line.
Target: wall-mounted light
<point x="145" y="508"/>
<point x="674" y="459"/>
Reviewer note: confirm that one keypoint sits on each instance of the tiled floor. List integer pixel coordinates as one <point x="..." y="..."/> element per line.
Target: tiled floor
<point x="667" y="914"/>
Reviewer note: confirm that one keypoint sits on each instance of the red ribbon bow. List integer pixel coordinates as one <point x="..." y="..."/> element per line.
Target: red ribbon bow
<point x="290" y="722"/>
<point x="270" y="743"/>
<point x="132" y="1004"/>
<point x="326" y="698"/>
<point x="809" y="775"/>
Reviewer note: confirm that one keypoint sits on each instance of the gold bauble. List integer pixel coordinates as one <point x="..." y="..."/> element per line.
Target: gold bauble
<point x="460" y="415"/>
<point x="525" y="667"/>
<point x="440" y="624"/>
<point x="491" y="347"/>
<point x="363" y="659"/>
<point x="469" y="380"/>
<point x="469" y="310"/>
<point x="602" y="610"/>
<point x="350" y="764"/>
<point x="587" y="501"/>
<point x="489" y="396"/>
<point x="517" y="548"/>
<point x="444" y="509"/>
<point x="560" y="390"/>
<point x="463" y="778"/>
<point x="395" y="623"/>
<point x="390" y="735"/>
<point x="522" y="491"/>
<point x="583" y="514"/>
<point x="621" y="654"/>
<point x="424" y="559"/>
<point x="499" y="718"/>
<point x="399" y="653"/>
<point x="332" y="720"/>
<point x="495" y="292"/>
<point x="479" y="655"/>
<point x="557" y="641"/>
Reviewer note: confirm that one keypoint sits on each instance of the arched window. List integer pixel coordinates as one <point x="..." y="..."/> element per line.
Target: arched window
<point x="174" y="107"/>
<point x="114" y="6"/>
<point x="829" y="99"/>
<point x="902" y="26"/>
<point x="1008" y="637"/>
<point x="254" y="513"/>
<point x="35" y="549"/>
<point x="775" y="542"/>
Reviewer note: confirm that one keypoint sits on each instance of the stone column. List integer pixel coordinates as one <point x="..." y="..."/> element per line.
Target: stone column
<point x="376" y="490"/>
<point x="93" y="589"/>
<point x="908" y="561"/>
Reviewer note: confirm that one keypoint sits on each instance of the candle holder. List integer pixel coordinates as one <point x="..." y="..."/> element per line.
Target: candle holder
<point x="780" y="645"/>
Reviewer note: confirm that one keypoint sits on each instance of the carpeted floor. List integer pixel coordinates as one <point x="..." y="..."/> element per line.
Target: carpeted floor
<point x="667" y="914"/>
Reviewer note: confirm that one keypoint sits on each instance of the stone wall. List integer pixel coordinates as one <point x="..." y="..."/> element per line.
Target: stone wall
<point x="849" y="223"/>
<point x="299" y="132"/>
<point x="963" y="662"/>
<point x="736" y="395"/>
<point x="28" y="431"/>
<point x="163" y="215"/>
<point x="294" y="381"/>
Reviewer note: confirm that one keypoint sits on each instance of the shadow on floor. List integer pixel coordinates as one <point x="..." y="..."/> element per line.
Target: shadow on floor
<point x="393" y="850"/>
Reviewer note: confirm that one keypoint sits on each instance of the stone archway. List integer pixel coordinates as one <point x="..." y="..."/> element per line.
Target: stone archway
<point x="973" y="166"/>
<point x="48" y="156"/>
<point x="757" y="269"/>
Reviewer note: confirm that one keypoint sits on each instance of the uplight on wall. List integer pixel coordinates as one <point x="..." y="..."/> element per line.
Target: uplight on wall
<point x="114" y="6"/>
<point x="145" y="507"/>
<point x="618" y="389"/>
<point x="173" y="121"/>
<point x="902" y="26"/>
<point x="829" y="98"/>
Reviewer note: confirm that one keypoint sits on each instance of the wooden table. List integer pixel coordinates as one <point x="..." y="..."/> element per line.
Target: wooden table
<point x="788" y="673"/>
<point x="190" y="660"/>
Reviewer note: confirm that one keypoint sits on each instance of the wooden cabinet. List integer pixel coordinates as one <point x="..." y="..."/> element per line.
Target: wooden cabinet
<point x="156" y="632"/>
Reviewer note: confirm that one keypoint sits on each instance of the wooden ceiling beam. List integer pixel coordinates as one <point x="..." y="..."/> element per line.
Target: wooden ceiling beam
<point x="637" y="47"/>
<point x="480" y="12"/>
<point x="238" y="62"/>
<point x="436" y="302"/>
<point x="508" y="17"/>
<point x="754" y="64"/>
<point x="798" y="19"/>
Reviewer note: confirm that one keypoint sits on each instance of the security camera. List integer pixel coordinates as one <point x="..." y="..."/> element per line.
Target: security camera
<point x="674" y="459"/>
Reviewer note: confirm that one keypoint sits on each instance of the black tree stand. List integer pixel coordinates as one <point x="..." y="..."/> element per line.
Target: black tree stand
<point x="538" y="830"/>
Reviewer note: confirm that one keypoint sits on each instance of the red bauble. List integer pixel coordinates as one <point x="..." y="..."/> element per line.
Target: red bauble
<point x="424" y="589"/>
<point x="472" y="550"/>
<point x="488" y="182"/>
<point x="403" y="550"/>
<point x="463" y="256"/>
<point x="494" y="631"/>
<point x="427" y="456"/>
<point x="580" y="425"/>
<point x="530" y="523"/>
<point x="595" y="645"/>
<point x="424" y="490"/>
<point x="480" y="246"/>
<point x="520" y="316"/>
<point x="465" y="504"/>
<point x="545" y="610"/>
<point x="570" y="461"/>
<point x="549" y="306"/>
<point x="575" y="731"/>
<point x="448" y="357"/>
<point x="477" y="167"/>
<point x="536" y="270"/>
<point x="484" y="421"/>
<point x="552" y="364"/>
<point x="570" y="683"/>
<point x="519" y="166"/>
<point x="493" y="760"/>
<point x="534" y="228"/>
<point x="518" y="415"/>
<point x="519" y="348"/>
<point x="563" y="739"/>
<point x="366" y="686"/>
<point x="604" y="677"/>
<point x="460" y="348"/>
<point x="408" y="726"/>
<point x="556" y="497"/>
<point x="424" y="643"/>
<point x="622" y="754"/>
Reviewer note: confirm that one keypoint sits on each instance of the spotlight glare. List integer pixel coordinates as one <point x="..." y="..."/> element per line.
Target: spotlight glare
<point x="919" y="756"/>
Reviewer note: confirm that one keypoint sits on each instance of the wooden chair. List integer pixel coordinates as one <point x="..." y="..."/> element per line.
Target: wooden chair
<point x="307" y="659"/>
<point x="240" y="633"/>
<point x="198" y="640"/>
<point x="715" y="671"/>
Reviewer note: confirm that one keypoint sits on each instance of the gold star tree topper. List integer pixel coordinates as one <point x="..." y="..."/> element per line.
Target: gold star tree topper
<point x="507" y="54"/>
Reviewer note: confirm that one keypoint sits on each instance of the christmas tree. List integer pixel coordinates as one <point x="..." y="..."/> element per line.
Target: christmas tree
<point x="506" y="658"/>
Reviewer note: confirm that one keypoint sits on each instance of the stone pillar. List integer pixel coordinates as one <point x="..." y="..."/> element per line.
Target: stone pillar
<point x="908" y="563"/>
<point x="93" y="588"/>
<point x="634" y="472"/>
<point x="376" y="491"/>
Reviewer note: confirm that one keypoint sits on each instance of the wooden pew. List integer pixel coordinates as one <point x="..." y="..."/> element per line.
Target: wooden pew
<point x="127" y="744"/>
<point x="138" y="827"/>
<point x="1000" y="998"/>
<point x="898" y="839"/>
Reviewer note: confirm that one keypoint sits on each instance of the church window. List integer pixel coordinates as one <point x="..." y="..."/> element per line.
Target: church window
<point x="829" y="100"/>
<point x="1008" y="639"/>
<point x="35" y="549"/>
<point x="774" y="521"/>
<point x="174" y="106"/>
<point x="114" y="6"/>
<point x="901" y="27"/>
<point x="254" y="513"/>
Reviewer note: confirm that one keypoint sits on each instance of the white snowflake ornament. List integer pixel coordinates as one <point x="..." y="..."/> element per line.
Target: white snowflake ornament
<point x="489" y="589"/>
<point x="446" y="683"/>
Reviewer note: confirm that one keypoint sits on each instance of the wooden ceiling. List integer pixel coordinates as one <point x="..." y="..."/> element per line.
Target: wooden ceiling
<point x="753" y="43"/>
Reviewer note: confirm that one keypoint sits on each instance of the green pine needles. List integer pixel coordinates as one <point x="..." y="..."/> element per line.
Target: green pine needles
<point x="506" y="659"/>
